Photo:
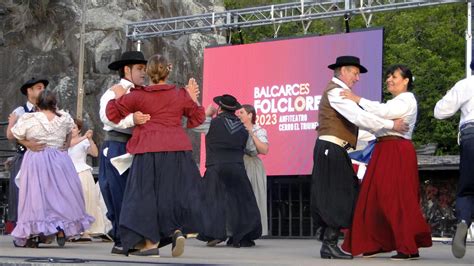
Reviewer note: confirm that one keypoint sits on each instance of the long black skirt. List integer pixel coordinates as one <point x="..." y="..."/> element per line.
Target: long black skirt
<point x="161" y="196"/>
<point x="13" y="189"/>
<point x="230" y="208"/>
<point x="334" y="186"/>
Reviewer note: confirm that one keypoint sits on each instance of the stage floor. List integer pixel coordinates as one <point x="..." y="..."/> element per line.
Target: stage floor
<point x="267" y="252"/>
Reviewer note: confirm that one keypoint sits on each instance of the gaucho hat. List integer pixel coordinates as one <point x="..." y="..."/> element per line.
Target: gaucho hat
<point x="228" y="102"/>
<point x="348" y="60"/>
<point x="32" y="82"/>
<point x="128" y="58"/>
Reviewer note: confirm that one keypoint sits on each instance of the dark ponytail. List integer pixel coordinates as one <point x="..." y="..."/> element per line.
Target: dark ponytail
<point x="47" y="101"/>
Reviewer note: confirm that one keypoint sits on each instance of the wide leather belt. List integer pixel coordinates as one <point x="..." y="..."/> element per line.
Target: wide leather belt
<point x="333" y="139"/>
<point x="384" y="138"/>
<point x="116" y="136"/>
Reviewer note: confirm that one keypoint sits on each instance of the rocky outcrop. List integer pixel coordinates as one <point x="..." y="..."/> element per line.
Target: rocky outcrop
<point x="41" y="38"/>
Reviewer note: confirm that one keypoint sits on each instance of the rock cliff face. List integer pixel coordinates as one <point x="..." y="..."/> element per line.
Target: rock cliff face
<point x="40" y="38"/>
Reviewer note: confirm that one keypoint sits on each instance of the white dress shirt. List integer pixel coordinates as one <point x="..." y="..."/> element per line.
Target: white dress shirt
<point x="352" y="112"/>
<point x="402" y="106"/>
<point x="461" y="96"/>
<point x="125" y="124"/>
<point x="19" y="111"/>
<point x="202" y="128"/>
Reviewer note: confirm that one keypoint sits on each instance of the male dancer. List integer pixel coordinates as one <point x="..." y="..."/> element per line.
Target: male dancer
<point x="461" y="97"/>
<point x="131" y="67"/>
<point x="31" y="89"/>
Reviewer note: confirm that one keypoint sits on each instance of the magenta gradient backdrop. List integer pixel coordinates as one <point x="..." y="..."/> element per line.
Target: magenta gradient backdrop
<point x="238" y="69"/>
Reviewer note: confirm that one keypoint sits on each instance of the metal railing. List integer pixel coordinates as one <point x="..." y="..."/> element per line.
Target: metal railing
<point x="298" y="11"/>
<point x="289" y="210"/>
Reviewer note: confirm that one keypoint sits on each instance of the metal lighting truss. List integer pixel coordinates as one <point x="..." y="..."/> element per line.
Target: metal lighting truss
<point x="302" y="11"/>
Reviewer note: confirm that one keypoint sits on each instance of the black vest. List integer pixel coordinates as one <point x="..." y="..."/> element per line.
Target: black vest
<point x="226" y="140"/>
<point x="20" y="148"/>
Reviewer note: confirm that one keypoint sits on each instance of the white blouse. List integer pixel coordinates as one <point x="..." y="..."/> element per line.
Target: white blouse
<point x="261" y="134"/>
<point x="352" y="112"/>
<point x="403" y="106"/>
<point x="78" y="154"/>
<point x="37" y="126"/>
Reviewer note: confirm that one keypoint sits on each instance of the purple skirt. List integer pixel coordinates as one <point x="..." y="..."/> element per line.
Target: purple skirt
<point x="50" y="196"/>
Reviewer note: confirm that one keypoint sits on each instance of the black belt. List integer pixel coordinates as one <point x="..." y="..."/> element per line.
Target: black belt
<point x="116" y="136"/>
<point x="467" y="131"/>
<point x="466" y="126"/>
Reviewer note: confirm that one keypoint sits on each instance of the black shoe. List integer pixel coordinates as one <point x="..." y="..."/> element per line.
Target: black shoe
<point x="247" y="243"/>
<point x="214" y="242"/>
<point x="118" y="250"/>
<point x="230" y="241"/>
<point x="329" y="249"/>
<point x="60" y="237"/>
<point x="153" y="252"/>
<point x="30" y="243"/>
<point x="458" y="246"/>
<point x="332" y="251"/>
<point x="81" y="239"/>
<point x="401" y="256"/>
<point x="177" y="247"/>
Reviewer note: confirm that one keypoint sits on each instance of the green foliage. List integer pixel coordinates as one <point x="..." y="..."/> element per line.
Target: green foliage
<point x="430" y="41"/>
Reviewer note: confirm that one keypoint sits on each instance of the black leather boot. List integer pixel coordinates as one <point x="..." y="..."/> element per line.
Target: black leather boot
<point x="329" y="249"/>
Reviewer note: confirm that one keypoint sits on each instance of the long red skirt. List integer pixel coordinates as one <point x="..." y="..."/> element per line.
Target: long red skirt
<point x="388" y="216"/>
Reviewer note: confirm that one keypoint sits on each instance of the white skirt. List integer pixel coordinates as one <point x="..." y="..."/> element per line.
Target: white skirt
<point x="95" y="205"/>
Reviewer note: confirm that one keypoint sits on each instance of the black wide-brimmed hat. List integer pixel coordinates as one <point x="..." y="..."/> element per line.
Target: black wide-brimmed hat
<point x="348" y="60"/>
<point x="32" y="82"/>
<point x="128" y="58"/>
<point x="228" y="102"/>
